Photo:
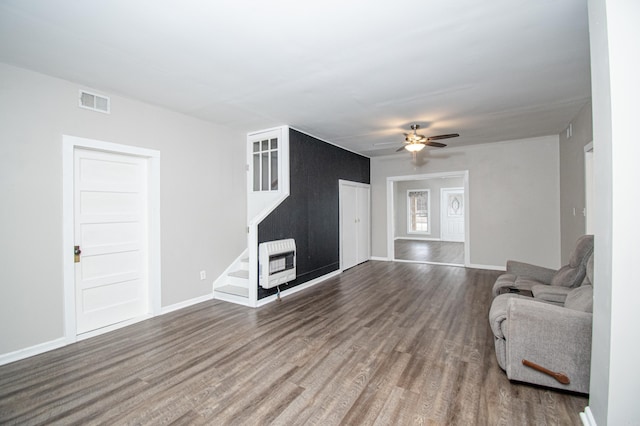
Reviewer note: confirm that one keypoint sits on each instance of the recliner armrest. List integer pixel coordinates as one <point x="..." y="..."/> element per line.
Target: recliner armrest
<point x="552" y="336"/>
<point x="550" y="293"/>
<point x="539" y="273"/>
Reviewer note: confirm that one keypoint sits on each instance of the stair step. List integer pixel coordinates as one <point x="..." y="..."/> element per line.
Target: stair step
<point x="241" y="273"/>
<point x="243" y="264"/>
<point x="234" y="289"/>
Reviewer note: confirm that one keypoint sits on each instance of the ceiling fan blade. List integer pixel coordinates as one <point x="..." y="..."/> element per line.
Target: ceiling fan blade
<point x="435" y="144"/>
<point x="438" y="137"/>
<point x="400" y="149"/>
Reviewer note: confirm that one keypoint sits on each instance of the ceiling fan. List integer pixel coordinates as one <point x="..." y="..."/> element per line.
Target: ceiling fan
<point x="414" y="142"/>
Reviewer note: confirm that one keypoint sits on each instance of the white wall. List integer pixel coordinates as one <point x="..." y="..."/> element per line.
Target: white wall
<point x="203" y="197"/>
<point x="400" y="200"/>
<point x="514" y="198"/>
<point x="572" y="180"/>
<point x="615" y="66"/>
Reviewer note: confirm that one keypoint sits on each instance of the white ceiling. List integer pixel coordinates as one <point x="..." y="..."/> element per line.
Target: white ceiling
<point x="356" y="73"/>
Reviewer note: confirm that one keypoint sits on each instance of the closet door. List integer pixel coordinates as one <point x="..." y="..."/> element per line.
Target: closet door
<point x="363" y="222"/>
<point x="349" y="226"/>
<point x="355" y="239"/>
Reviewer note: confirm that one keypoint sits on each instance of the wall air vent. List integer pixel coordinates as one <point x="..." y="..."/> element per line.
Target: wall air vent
<point x="94" y="102"/>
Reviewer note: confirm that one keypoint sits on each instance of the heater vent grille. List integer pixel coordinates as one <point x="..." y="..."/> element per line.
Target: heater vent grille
<point x="94" y="102"/>
<point x="277" y="262"/>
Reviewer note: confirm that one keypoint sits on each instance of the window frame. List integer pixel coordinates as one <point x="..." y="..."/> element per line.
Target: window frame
<point x="428" y="212"/>
<point x="271" y="181"/>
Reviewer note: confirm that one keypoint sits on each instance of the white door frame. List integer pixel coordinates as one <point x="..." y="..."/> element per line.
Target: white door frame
<point x="391" y="210"/>
<point x="588" y="188"/>
<point x="69" y="144"/>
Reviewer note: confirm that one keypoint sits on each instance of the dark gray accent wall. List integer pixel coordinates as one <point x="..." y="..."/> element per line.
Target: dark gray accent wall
<point x="310" y="214"/>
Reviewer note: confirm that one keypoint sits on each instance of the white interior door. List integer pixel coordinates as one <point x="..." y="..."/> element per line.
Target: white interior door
<point x="110" y="229"/>
<point x="349" y="226"/>
<point x="452" y="214"/>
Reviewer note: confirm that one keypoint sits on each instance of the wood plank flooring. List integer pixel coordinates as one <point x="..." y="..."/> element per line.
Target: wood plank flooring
<point x="430" y="251"/>
<point x="382" y="344"/>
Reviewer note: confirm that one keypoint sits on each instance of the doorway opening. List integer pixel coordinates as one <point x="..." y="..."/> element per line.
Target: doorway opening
<point x="428" y="218"/>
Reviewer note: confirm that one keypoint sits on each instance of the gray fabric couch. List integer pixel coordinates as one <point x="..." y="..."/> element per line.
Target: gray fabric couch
<point x="548" y="284"/>
<point x="556" y="337"/>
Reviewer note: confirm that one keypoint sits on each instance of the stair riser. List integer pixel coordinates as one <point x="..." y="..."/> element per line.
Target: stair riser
<point x="240" y="282"/>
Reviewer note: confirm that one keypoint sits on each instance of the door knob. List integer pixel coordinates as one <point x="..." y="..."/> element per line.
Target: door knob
<point x="76" y="254"/>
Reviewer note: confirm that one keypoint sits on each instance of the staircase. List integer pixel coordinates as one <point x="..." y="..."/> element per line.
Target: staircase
<point x="233" y="285"/>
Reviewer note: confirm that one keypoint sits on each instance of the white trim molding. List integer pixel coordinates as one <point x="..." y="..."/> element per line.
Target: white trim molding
<point x="417" y="238"/>
<point x="426" y="262"/>
<point x="112" y="327"/>
<point x="487" y="267"/>
<point x="380" y="259"/>
<point x="587" y="417"/>
<point x="186" y="303"/>
<point x="32" y="351"/>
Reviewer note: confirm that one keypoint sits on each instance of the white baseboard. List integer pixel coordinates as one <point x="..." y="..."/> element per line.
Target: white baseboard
<point x="382" y="259"/>
<point x="488" y="267"/>
<point x="298" y="288"/>
<point x="587" y="417"/>
<point x="32" y="351"/>
<point x="418" y="238"/>
<point x="474" y="266"/>
<point x="186" y="303"/>
<point x="232" y="298"/>
<point x="426" y="262"/>
<point x="109" y="328"/>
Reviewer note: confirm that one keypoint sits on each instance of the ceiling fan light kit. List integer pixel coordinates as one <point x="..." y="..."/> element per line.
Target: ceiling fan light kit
<point x="415" y="142"/>
<point x="414" y="147"/>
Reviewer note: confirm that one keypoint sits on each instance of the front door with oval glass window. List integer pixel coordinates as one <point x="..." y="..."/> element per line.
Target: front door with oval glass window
<point x="452" y="214"/>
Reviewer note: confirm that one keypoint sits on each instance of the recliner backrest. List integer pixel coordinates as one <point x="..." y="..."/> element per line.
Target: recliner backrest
<point x="573" y="274"/>
<point x="588" y="279"/>
<point x="580" y="299"/>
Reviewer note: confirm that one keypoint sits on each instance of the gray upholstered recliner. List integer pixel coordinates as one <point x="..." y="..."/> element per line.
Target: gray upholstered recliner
<point x="557" y="338"/>
<point x="545" y="283"/>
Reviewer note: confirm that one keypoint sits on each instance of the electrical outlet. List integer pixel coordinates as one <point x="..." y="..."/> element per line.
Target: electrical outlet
<point x="203" y="275"/>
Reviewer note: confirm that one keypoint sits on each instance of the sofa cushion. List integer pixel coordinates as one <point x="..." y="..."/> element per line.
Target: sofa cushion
<point x="580" y="299"/>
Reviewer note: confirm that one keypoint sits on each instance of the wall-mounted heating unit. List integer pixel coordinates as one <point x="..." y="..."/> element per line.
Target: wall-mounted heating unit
<point x="277" y="262"/>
